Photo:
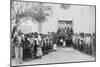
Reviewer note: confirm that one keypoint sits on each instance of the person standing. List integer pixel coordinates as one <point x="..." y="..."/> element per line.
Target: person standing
<point x="39" y="50"/>
<point x="19" y="49"/>
<point x="54" y="44"/>
<point x="61" y="41"/>
<point x="25" y="49"/>
<point x="22" y="44"/>
<point x="32" y="48"/>
<point x="35" y="48"/>
<point x="43" y="47"/>
<point x="73" y="41"/>
<point x="93" y="43"/>
<point x="15" y="41"/>
<point x="51" y="43"/>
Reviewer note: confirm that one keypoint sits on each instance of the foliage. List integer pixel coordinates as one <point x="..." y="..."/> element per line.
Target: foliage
<point x="35" y="11"/>
<point x="65" y="6"/>
<point x="39" y="12"/>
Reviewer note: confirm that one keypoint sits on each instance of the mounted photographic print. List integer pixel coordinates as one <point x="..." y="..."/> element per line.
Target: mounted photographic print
<point x="51" y="33"/>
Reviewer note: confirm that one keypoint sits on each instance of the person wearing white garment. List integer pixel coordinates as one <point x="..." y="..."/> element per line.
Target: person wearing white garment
<point x="64" y="43"/>
<point x="15" y="40"/>
<point x="54" y="45"/>
<point x="73" y="41"/>
<point x="87" y="42"/>
<point x="19" y="49"/>
<point x="61" y="42"/>
<point x="39" y="48"/>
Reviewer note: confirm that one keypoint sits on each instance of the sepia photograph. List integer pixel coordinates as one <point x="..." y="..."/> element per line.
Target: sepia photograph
<point x="51" y="33"/>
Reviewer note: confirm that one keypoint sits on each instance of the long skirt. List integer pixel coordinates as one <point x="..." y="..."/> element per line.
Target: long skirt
<point x="64" y="44"/>
<point x="32" y="52"/>
<point x="27" y="54"/>
<point x="39" y="52"/>
<point x="18" y="54"/>
<point x="12" y="51"/>
<point x="54" y="46"/>
<point x="43" y="49"/>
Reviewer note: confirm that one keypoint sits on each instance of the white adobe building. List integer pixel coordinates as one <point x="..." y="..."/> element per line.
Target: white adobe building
<point x="82" y="17"/>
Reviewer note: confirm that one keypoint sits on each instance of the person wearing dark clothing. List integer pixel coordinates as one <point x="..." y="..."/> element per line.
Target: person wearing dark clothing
<point x="81" y="46"/>
<point x="44" y="47"/>
<point x="71" y="31"/>
<point x="13" y="31"/>
<point x="23" y="43"/>
<point x="59" y="30"/>
<point x="35" y="48"/>
<point x="26" y="52"/>
<point x="66" y="41"/>
<point x="47" y="46"/>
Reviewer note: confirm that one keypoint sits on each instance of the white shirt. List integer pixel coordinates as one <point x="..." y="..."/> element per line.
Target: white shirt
<point x="39" y="38"/>
<point x="61" y="40"/>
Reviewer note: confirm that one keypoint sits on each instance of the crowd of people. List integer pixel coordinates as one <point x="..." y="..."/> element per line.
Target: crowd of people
<point x="31" y="45"/>
<point x="85" y="43"/>
<point x="34" y="45"/>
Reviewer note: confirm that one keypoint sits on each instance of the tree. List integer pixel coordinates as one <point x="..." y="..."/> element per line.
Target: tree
<point x="16" y="11"/>
<point x="36" y="11"/>
<point x="40" y="13"/>
<point x="65" y="6"/>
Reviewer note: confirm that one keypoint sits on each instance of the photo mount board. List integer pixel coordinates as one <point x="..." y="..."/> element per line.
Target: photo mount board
<point x="62" y="20"/>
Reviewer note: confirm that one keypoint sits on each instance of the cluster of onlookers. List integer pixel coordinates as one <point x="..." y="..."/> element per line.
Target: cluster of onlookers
<point x="34" y="45"/>
<point x="85" y="43"/>
<point x="31" y="46"/>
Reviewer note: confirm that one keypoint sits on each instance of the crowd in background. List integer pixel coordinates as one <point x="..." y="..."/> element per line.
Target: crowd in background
<point x="34" y="45"/>
<point x="83" y="42"/>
